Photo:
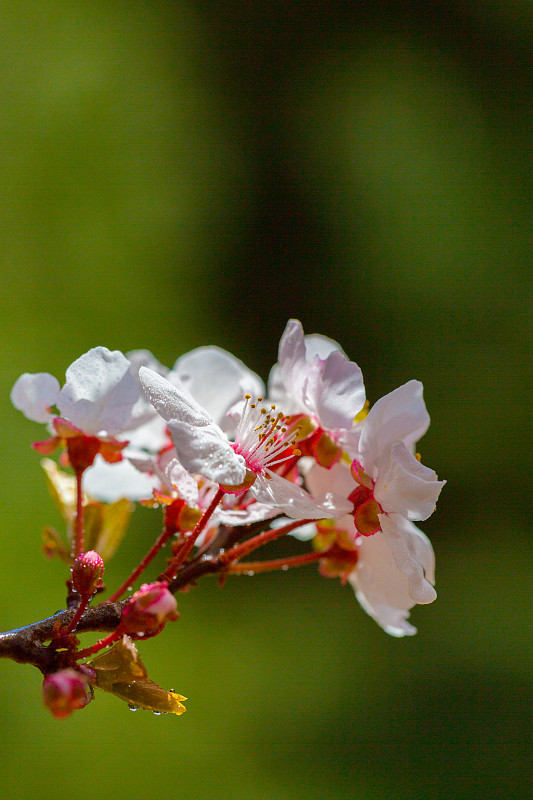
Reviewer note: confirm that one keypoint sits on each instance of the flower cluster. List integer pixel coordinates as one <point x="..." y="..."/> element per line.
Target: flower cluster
<point x="216" y="447"/>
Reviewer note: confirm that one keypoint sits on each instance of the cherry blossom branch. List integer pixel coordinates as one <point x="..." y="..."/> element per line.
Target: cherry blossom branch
<point x="26" y="644"/>
<point x="252" y="567"/>
<point x="243" y="549"/>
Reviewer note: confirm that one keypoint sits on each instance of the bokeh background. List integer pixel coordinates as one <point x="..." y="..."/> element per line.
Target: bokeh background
<point x="181" y="173"/>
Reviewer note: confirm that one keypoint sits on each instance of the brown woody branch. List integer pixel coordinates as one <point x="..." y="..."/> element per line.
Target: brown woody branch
<point x="26" y="645"/>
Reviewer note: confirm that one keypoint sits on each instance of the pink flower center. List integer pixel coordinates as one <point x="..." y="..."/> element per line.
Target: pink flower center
<point x="264" y="437"/>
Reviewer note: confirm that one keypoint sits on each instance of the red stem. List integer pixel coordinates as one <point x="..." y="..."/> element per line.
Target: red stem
<point x="84" y="602"/>
<point x="252" y="567"/>
<point x="77" y="549"/>
<point x="160" y="541"/>
<point x="243" y="549"/>
<point x="105" y="642"/>
<point x="182" y="554"/>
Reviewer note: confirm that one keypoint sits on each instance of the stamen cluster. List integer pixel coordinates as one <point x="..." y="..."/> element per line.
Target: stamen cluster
<point x="263" y="438"/>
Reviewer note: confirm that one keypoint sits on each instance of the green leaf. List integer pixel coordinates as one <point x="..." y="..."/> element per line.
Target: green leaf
<point x="121" y="672"/>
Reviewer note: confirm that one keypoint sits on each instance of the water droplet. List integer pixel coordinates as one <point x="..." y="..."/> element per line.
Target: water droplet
<point x="285" y="568"/>
<point x="157" y="713"/>
<point x="129" y="588"/>
<point x="132" y="707"/>
<point x="250" y="572"/>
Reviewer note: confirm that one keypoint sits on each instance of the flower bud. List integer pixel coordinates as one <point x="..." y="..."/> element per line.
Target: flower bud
<point x="66" y="691"/>
<point x="87" y="572"/>
<point x="149" y="609"/>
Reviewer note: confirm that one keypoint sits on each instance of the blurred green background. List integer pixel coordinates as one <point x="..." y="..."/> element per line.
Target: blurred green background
<point x="182" y="173"/>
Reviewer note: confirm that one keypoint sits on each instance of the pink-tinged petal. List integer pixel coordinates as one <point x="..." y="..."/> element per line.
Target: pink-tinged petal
<point x="205" y="450"/>
<point x="216" y="379"/>
<point x="182" y="481"/>
<point x="399" y="416"/>
<point x="339" y="479"/>
<point x="336" y="390"/>
<point x="404" y="541"/>
<point x="321" y="346"/>
<point x="348" y="440"/>
<point x="34" y="393"/>
<point x="288" y="378"/>
<point x="99" y="392"/>
<point x="170" y="401"/>
<point x="380" y="587"/>
<point x="404" y="485"/>
<point x="295" y="502"/>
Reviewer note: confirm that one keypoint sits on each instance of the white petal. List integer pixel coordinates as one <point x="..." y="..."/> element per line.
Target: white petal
<point x="205" y="450"/>
<point x="336" y="390"/>
<point x="255" y="512"/>
<point x="304" y="533"/>
<point x="171" y="401"/>
<point x="216" y="379"/>
<point x="143" y="411"/>
<point x="33" y="393"/>
<point x="399" y="416"/>
<point x="145" y="358"/>
<point x="150" y="437"/>
<point x="183" y="481"/>
<point x="112" y="482"/>
<point x="99" y="392"/>
<point x="380" y="587"/>
<point x="404" y="485"/>
<point x="295" y="502"/>
<point x="404" y="542"/>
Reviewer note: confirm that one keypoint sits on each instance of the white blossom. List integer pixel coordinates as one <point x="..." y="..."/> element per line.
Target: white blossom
<point x="243" y="465"/>
<point x="98" y="395"/>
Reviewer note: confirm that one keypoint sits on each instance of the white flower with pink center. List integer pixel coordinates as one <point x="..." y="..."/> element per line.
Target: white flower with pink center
<point x="244" y="464"/>
<point x="315" y="378"/>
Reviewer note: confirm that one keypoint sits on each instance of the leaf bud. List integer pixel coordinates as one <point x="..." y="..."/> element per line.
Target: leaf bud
<point x="87" y="572"/>
<point x="66" y="691"/>
<point x="148" y="609"/>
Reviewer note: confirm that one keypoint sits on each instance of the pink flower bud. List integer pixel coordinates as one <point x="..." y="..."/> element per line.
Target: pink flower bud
<point x="66" y="691"/>
<point x="87" y="572"/>
<point x="148" y="609"/>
